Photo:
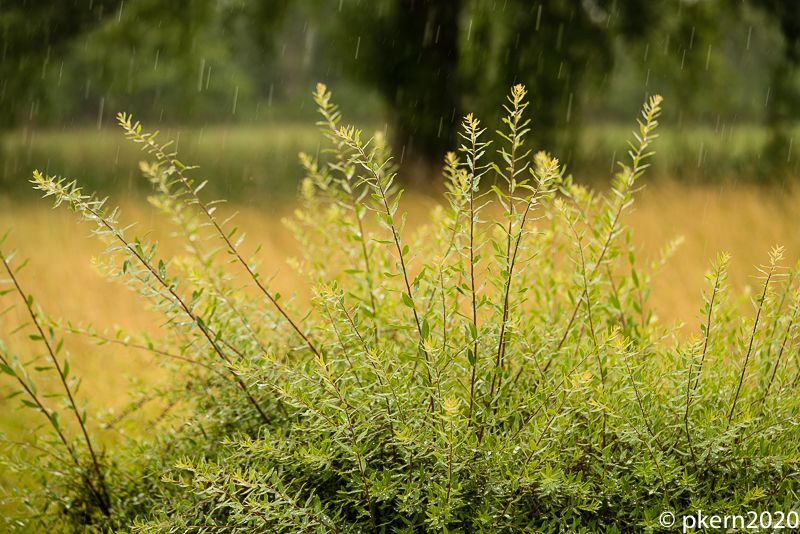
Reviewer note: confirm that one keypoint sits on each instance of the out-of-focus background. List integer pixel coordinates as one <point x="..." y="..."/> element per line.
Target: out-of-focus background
<point x="230" y="81"/>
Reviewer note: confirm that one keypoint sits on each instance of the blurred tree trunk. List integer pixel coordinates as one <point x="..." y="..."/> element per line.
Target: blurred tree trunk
<point x="421" y="83"/>
<point x="409" y="51"/>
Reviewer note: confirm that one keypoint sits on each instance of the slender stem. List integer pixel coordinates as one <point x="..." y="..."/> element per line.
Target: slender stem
<point x="362" y="235"/>
<point x="204" y="329"/>
<point x="331" y="115"/>
<point x="749" y="347"/>
<point x="707" y="336"/>
<point x="614" y="290"/>
<point x="105" y="502"/>
<point x="347" y="408"/>
<point x="179" y="172"/>
<point x="686" y="411"/>
<point x="378" y="373"/>
<point x="377" y="184"/>
<point x="651" y="111"/>
<point x="501" y="347"/>
<point x="641" y="406"/>
<point x="153" y="350"/>
<point x="36" y="400"/>
<point x="786" y="337"/>
<point x="691" y="388"/>
<point x="473" y="291"/>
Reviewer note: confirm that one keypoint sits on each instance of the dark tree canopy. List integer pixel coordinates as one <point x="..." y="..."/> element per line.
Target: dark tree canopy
<point x="35" y="32"/>
<point x="429" y="60"/>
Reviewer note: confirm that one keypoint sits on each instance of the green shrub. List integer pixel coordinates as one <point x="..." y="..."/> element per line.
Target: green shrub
<point x="497" y="369"/>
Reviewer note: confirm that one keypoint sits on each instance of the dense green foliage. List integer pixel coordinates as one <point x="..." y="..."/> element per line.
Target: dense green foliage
<point x="427" y="62"/>
<point x="497" y="369"/>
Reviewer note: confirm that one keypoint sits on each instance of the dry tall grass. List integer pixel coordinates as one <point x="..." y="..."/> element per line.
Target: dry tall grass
<point x="744" y="221"/>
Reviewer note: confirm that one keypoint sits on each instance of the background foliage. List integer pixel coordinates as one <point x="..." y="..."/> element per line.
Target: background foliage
<point x="499" y="369"/>
<point x="424" y="62"/>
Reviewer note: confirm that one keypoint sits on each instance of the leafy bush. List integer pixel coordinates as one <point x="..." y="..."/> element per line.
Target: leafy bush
<point x="497" y="369"/>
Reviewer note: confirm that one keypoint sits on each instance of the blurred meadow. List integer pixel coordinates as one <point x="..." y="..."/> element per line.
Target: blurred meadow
<point x="230" y="83"/>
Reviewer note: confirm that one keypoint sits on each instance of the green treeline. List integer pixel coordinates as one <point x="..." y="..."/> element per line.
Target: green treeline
<point x="421" y="64"/>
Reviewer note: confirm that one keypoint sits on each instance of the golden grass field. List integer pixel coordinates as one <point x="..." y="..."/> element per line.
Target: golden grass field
<point x="745" y="221"/>
<point x="742" y="220"/>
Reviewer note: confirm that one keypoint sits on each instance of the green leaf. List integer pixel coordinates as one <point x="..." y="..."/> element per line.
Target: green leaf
<point x="407" y="300"/>
<point x="473" y="332"/>
<point x="54" y="420"/>
<point x="425" y="329"/>
<point x="7" y="370"/>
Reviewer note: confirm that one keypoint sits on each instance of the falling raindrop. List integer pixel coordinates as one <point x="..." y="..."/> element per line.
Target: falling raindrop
<point x="100" y="112"/>
<point x="569" y="107"/>
<point x="766" y="99"/>
<point x="131" y="64"/>
<point x="538" y="17"/>
<point x="708" y="57"/>
<point x="789" y="154"/>
<point x="45" y="63"/>
<point x="235" y="99"/>
<point x="560" y="36"/>
<point x="358" y="46"/>
<point x="202" y="74"/>
<point x="749" y="35"/>
<point x="701" y="154"/>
